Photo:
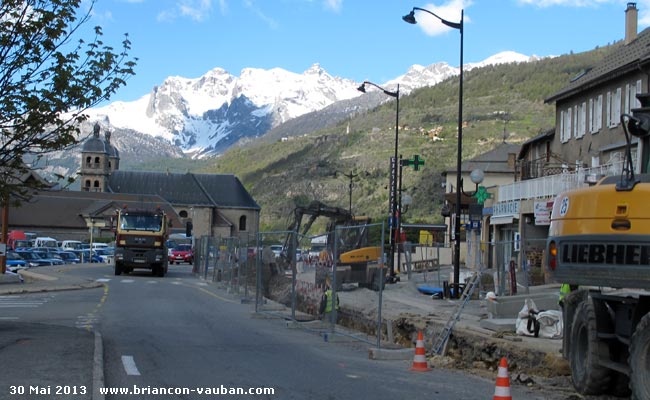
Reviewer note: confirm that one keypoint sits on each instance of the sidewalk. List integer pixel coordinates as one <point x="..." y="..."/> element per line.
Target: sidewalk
<point x="482" y="334"/>
<point x="61" y="358"/>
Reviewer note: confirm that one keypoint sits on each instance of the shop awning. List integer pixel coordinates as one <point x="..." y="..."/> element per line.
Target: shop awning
<point x="502" y="220"/>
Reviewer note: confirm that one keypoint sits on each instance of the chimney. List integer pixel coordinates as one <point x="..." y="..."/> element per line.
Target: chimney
<point x="631" y="14"/>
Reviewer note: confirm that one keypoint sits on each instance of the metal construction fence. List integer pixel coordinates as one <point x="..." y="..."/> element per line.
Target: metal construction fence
<point x="299" y="276"/>
<point x="512" y="266"/>
<point x="280" y="273"/>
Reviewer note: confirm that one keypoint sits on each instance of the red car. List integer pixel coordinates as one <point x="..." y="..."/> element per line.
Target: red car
<point x="182" y="253"/>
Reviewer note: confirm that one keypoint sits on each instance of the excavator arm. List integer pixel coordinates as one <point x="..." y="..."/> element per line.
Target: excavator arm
<point x="315" y="209"/>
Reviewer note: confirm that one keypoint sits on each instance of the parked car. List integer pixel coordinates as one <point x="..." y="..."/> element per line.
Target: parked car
<point x="182" y="253"/>
<point x="15" y="262"/>
<point x="84" y="255"/>
<point x="69" y="257"/>
<point x="68" y="245"/>
<point x="53" y="258"/>
<point x="33" y="259"/>
<point x="105" y="254"/>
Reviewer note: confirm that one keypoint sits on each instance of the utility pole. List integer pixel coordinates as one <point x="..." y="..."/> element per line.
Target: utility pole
<point x="350" y="176"/>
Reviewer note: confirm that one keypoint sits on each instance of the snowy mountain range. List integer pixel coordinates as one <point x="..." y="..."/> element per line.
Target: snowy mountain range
<point x="207" y="115"/>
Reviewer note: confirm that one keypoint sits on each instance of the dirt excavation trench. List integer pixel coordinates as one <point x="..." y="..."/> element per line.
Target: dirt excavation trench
<point x="468" y="347"/>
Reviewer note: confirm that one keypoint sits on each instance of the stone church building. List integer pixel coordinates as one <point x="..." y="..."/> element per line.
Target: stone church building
<point x="215" y="204"/>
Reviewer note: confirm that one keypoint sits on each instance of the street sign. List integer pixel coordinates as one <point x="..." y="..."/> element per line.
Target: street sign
<point x="3" y="249"/>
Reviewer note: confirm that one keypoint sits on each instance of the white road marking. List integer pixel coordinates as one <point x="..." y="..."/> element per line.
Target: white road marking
<point x="129" y="366"/>
<point x="202" y="283"/>
<point x="176" y="283"/>
<point x="127" y="281"/>
<point x="8" y="318"/>
<point x="21" y="302"/>
<point x="103" y="280"/>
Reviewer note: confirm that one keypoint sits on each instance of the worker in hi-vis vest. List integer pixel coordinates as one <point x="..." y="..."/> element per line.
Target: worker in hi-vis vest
<point x="565" y="289"/>
<point x="326" y="302"/>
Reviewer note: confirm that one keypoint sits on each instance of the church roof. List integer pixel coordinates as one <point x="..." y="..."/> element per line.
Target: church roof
<point x="210" y="190"/>
<point x="96" y="145"/>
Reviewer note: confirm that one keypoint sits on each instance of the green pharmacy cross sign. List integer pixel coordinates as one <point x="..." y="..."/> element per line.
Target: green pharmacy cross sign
<point x="482" y="194"/>
<point x="415" y="162"/>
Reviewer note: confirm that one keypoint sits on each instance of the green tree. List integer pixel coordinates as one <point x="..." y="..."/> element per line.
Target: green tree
<point x="48" y="77"/>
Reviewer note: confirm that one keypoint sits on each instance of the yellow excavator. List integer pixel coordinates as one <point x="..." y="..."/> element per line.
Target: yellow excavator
<point x="599" y="244"/>
<point x="357" y="261"/>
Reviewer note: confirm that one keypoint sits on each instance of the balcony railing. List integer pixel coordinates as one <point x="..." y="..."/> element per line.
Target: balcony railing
<point x="550" y="186"/>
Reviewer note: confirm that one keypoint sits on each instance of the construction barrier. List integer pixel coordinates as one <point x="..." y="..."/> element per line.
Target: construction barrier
<point x="502" y="388"/>
<point x="420" y="359"/>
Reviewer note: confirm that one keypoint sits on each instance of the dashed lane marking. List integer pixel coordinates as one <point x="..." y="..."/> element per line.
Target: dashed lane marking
<point x="129" y="366"/>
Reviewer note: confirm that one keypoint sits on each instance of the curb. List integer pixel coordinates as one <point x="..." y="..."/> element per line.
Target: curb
<point x="98" y="367"/>
<point x="390" y="354"/>
<point x="37" y="276"/>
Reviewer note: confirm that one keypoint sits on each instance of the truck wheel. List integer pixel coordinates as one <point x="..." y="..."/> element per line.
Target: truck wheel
<point x="118" y="268"/>
<point x="159" y="271"/>
<point x="620" y="385"/>
<point x="587" y="375"/>
<point x="639" y="360"/>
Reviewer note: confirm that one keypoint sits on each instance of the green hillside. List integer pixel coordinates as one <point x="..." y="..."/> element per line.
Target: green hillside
<point x="504" y="100"/>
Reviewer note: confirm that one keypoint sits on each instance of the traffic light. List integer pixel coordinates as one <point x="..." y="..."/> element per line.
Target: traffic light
<point x="188" y="229"/>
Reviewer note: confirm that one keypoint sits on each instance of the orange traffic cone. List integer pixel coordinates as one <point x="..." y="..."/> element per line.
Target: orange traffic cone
<point x="502" y="388"/>
<point x="420" y="360"/>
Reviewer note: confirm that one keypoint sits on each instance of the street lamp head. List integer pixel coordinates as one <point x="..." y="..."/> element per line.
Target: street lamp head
<point x="410" y="18"/>
<point x="477" y="176"/>
<point x="362" y="88"/>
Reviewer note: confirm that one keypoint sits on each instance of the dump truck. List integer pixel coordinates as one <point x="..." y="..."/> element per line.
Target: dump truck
<point x="140" y="240"/>
<point x="599" y="243"/>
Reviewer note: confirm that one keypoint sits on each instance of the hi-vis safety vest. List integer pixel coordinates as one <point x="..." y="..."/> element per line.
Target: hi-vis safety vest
<point x="328" y="304"/>
<point x="565" y="289"/>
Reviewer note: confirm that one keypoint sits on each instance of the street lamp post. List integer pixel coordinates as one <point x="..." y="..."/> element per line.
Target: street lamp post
<point x="393" y="197"/>
<point x="410" y="18"/>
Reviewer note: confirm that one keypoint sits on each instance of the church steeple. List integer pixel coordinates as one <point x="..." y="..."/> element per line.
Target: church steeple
<point x="98" y="159"/>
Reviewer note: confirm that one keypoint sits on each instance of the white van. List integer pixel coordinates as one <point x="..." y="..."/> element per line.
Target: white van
<point x="71" y="245"/>
<point x="45" y="242"/>
<point x="99" y="246"/>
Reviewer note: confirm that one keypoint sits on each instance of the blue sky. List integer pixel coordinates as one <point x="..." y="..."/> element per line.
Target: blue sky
<point x="355" y="39"/>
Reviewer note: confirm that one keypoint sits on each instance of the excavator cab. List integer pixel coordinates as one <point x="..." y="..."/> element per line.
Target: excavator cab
<point x="357" y="262"/>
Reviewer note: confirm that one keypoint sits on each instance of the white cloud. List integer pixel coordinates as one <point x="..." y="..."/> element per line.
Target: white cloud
<point x="334" y="5"/>
<point x="273" y="24"/>
<point x="223" y="6"/>
<point x="197" y="10"/>
<point x="451" y="11"/>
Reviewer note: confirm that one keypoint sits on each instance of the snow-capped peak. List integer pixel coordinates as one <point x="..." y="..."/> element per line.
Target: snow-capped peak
<point x="213" y="111"/>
